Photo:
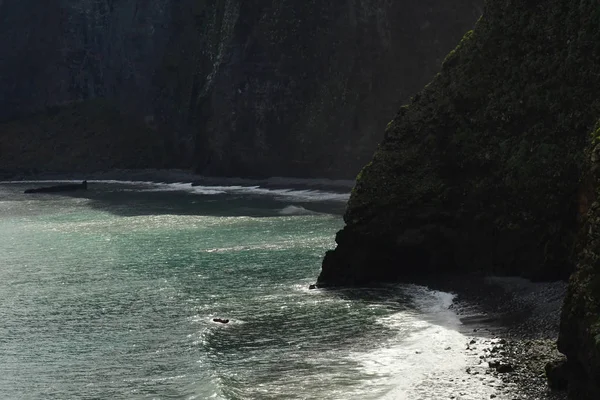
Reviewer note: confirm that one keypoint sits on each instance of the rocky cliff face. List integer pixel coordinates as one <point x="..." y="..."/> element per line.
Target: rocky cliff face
<point x="61" y="51"/>
<point x="489" y="169"/>
<point x="235" y="87"/>
<point x="80" y="137"/>
<point x="580" y="320"/>
<point x="57" y="59"/>
<point x="299" y="88"/>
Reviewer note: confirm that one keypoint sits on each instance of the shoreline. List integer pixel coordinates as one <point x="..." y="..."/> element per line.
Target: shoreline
<point x="512" y="325"/>
<point x="510" y="328"/>
<point x="185" y="176"/>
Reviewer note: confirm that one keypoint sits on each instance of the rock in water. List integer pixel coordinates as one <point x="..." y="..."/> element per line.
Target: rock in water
<point x="59" y="188"/>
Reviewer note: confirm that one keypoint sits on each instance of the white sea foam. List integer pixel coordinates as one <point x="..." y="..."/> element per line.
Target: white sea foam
<point x="304" y="195"/>
<point x="296" y="210"/>
<point x="426" y="359"/>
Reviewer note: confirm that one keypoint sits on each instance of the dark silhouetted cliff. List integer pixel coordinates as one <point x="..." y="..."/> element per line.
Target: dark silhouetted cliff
<point x="232" y="87"/>
<point x="493" y="167"/>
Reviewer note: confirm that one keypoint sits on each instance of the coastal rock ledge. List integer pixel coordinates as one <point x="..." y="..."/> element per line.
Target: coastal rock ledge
<point x="493" y="168"/>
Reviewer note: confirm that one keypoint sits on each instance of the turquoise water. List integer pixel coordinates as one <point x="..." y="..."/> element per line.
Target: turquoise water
<point x="110" y="294"/>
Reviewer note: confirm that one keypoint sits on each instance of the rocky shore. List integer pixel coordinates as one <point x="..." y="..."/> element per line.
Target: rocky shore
<point x="512" y="325"/>
<point x="183" y="176"/>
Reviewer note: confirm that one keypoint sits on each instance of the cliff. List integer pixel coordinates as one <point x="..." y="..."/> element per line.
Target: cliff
<point x="580" y="318"/>
<point x="299" y="88"/>
<point x="81" y="137"/>
<point x="490" y="168"/>
<point x="54" y="52"/>
<point x="249" y="88"/>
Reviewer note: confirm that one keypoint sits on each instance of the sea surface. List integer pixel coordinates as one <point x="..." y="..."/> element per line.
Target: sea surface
<point x="111" y="293"/>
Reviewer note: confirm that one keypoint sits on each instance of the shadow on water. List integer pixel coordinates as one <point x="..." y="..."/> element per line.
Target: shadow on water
<point x="138" y="200"/>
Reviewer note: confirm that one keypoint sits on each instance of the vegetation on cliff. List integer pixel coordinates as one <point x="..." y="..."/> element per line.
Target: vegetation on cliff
<point x="486" y="170"/>
<point x="580" y="320"/>
<point x="481" y="170"/>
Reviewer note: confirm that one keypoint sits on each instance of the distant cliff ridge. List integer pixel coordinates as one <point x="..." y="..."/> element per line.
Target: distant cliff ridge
<point x="300" y="88"/>
<point x="493" y="167"/>
<point x="249" y="88"/>
<point x="54" y="52"/>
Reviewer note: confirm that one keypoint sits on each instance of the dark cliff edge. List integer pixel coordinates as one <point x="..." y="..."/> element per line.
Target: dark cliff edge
<point x="492" y="168"/>
<point x="234" y="88"/>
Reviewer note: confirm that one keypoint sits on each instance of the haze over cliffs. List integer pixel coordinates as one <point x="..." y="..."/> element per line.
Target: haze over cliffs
<point x="227" y="87"/>
<point x="493" y="167"/>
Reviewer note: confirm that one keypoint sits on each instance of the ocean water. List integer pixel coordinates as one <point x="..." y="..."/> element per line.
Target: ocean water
<point x="110" y="294"/>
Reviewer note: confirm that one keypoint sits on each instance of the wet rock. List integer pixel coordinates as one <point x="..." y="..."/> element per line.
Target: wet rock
<point x="501" y="367"/>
